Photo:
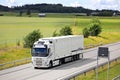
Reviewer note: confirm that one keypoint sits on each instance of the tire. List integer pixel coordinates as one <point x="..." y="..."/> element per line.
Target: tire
<point x="35" y="67"/>
<point x="60" y="62"/>
<point x="63" y="60"/>
<point x="50" y="64"/>
<point x="78" y="56"/>
<point x="74" y="58"/>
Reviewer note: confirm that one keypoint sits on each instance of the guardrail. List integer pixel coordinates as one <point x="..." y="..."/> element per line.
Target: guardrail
<point x="74" y="75"/>
<point x="14" y="63"/>
<point x="116" y="78"/>
<point x="92" y="45"/>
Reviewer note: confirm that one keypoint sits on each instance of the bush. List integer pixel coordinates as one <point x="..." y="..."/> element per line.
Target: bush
<point x="31" y="38"/>
<point x="86" y="32"/>
<point x="1" y="14"/>
<point x="20" y="13"/>
<point x="95" y="29"/>
<point x="66" y="31"/>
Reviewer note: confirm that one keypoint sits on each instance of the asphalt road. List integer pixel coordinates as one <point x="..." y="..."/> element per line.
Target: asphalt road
<point x="27" y="72"/>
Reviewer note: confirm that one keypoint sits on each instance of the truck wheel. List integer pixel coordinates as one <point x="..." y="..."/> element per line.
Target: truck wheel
<point x="35" y="67"/>
<point x="82" y="55"/>
<point x="78" y="57"/>
<point x="50" y="64"/>
<point x="60" y="62"/>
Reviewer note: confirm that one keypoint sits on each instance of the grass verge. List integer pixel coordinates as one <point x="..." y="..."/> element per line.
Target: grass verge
<point x="11" y="54"/>
<point x="91" y="75"/>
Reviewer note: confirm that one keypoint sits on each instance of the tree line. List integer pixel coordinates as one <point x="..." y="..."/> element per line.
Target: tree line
<point x="54" y="8"/>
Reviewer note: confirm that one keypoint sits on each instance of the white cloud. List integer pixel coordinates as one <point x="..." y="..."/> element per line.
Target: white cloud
<point x="98" y="4"/>
<point x="105" y="4"/>
<point x="20" y="4"/>
<point x="75" y="4"/>
<point x="109" y="4"/>
<point x="91" y="4"/>
<point x="10" y="2"/>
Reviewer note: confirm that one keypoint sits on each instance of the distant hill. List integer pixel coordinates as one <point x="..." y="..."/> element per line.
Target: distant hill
<point x="55" y="8"/>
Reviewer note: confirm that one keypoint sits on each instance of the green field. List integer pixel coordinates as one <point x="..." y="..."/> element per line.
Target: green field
<point x="14" y="29"/>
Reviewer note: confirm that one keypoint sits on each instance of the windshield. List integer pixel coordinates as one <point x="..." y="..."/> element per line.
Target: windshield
<point x="42" y="52"/>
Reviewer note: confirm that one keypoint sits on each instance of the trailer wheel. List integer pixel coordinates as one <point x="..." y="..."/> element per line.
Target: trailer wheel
<point x="62" y="60"/>
<point x="74" y="58"/>
<point x="78" y="56"/>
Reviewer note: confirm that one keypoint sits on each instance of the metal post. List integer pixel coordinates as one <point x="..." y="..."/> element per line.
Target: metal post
<point x="74" y="77"/>
<point x="108" y="66"/>
<point x="97" y="69"/>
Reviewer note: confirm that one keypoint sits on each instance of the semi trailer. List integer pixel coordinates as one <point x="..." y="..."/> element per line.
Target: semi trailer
<point x="49" y="52"/>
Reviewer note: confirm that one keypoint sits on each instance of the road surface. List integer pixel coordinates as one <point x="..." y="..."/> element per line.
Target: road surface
<point x="27" y="72"/>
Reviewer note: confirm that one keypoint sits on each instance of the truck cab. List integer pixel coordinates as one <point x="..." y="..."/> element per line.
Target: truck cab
<point x="41" y="53"/>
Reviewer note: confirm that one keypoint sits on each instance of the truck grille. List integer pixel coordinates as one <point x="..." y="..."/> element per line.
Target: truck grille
<point x="38" y="62"/>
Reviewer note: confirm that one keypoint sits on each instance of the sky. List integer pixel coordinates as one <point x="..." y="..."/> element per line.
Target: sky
<point x="90" y="4"/>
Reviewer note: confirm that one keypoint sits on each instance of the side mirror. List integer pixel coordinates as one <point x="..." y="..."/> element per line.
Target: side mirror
<point x="49" y="50"/>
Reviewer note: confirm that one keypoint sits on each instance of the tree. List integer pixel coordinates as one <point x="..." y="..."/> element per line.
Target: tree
<point x="95" y="27"/>
<point x="86" y="32"/>
<point x="28" y="12"/>
<point x="31" y="38"/>
<point x="66" y="31"/>
<point x="20" y="13"/>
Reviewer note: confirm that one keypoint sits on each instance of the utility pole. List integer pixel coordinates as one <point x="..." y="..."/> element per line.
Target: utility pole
<point x="75" y="22"/>
<point x="97" y="69"/>
<point x="74" y="26"/>
<point x="108" y="67"/>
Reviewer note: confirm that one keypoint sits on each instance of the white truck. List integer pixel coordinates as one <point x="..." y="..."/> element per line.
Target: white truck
<point x="48" y="52"/>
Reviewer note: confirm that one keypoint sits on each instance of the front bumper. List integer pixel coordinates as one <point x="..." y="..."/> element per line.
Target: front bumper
<point x="40" y="63"/>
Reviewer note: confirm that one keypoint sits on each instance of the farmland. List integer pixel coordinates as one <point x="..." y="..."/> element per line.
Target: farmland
<point x="14" y="29"/>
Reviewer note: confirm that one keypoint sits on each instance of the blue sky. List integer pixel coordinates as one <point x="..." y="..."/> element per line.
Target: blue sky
<point x="91" y="4"/>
